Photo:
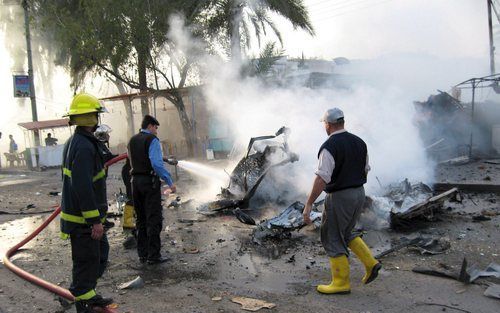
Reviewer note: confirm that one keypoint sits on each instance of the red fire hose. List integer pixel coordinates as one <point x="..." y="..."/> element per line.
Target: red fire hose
<point x="32" y="278"/>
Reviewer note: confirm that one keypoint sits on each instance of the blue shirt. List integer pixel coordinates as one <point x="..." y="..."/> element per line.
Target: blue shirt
<point x="156" y="158"/>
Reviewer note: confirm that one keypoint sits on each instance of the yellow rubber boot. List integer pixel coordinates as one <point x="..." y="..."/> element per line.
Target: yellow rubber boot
<point x="372" y="266"/>
<point x="128" y="216"/>
<point x="340" y="277"/>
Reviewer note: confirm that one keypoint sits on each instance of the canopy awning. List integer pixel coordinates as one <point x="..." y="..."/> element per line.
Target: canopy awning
<point x="45" y="124"/>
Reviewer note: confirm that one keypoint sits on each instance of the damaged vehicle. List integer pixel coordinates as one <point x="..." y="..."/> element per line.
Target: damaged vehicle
<point x="262" y="155"/>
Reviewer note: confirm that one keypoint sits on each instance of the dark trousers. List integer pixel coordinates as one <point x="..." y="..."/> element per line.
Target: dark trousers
<point x="90" y="258"/>
<point x="147" y="203"/>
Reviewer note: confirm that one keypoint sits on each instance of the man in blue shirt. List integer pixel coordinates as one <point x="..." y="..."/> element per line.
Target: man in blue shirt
<point x="146" y="161"/>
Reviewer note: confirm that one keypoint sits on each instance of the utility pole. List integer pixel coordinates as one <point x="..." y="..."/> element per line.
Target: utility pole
<point x="30" y="70"/>
<point x="492" y="47"/>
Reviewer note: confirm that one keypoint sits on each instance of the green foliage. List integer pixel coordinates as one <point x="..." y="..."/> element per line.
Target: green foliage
<point x="229" y="21"/>
<point x="262" y="66"/>
<point x="124" y="39"/>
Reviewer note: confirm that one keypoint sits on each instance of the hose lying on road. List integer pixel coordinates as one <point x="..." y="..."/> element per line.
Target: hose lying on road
<point x="30" y="277"/>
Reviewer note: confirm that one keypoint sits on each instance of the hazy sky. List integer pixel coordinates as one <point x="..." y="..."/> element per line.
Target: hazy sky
<point x="371" y="28"/>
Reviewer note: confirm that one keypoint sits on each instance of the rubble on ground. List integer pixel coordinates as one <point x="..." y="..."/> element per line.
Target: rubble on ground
<point x="424" y="210"/>
<point x="284" y="223"/>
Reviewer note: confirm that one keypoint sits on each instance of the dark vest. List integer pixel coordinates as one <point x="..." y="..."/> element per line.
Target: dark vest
<point x="138" y="153"/>
<point x="349" y="152"/>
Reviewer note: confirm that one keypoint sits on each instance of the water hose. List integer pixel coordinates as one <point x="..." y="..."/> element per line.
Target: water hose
<point x="30" y="277"/>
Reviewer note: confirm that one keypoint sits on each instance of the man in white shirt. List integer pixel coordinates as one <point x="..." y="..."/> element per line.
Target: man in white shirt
<point x="341" y="173"/>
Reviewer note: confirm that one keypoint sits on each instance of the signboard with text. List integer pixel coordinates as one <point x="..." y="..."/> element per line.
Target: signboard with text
<point x="21" y="86"/>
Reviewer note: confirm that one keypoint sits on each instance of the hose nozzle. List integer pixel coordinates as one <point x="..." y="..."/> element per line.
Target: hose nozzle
<point x="172" y="160"/>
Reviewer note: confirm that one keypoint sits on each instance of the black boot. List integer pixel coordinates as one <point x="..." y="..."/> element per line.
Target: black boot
<point x="98" y="300"/>
<point x="159" y="260"/>
<point x="82" y="307"/>
<point x="108" y="224"/>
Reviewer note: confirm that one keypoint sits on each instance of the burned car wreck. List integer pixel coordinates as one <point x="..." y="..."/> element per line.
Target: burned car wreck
<point x="262" y="155"/>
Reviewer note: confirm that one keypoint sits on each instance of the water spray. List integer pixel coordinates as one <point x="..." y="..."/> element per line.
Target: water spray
<point x="204" y="171"/>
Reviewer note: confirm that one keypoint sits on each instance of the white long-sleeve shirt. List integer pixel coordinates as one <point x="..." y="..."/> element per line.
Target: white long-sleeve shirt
<point x="326" y="162"/>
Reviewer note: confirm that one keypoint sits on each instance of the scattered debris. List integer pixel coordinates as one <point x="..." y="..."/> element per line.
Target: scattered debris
<point x="405" y="243"/>
<point x="243" y="217"/>
<point x="190" y="221"/>
<point x="291" y="259"/>
<point x="253" y="305"/>
<point x="54" y="193"/>
<point x="406" y="195"/>
<point x="495" y="161"/>
<point x="490" y="212"/>
<point x="431" y="246"/>
<point x="467" y="275"/>
<point x="470" y="187"/>
<point x="473" y="272"/>
<point x="435" y="272"/>
<point x="493" y="291"/>
<point x="441" y="121"/>
<point x="456" y="161"/>
<point x="444" y="306"/>
<point x="481" y="218"/>
<point x="30" y="206"/>
<point x="288" y="220"/>
<point x="191" y="251"/>
<point x="216" y="298"/>
<point x="423" y="210"/>
<point x="422" y="244"/>
<point x="136" y="283"/>
<point x="175" y="203"/>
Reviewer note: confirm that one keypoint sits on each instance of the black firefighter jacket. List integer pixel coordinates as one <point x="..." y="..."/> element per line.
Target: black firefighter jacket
<point x="84" y="184"/>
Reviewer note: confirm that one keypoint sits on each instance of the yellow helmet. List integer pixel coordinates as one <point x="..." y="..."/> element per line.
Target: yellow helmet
<point x="84" y="103"/>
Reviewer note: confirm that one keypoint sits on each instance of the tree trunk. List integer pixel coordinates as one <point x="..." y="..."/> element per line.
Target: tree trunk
<point x="128" y="108"/>
<point x="143" y="83"/>
<point x="176" y="98"/>
<point x="234" y="24"/>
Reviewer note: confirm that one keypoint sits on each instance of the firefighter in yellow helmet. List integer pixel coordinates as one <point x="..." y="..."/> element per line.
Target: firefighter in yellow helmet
<point x="83" y="203"/>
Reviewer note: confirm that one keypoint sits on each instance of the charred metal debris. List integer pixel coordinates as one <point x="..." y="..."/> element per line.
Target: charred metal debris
<point x="262" y="155"/>
<point x="415" y="202"/>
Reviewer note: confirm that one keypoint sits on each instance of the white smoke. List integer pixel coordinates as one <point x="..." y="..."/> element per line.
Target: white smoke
<point x="378" y="107"/>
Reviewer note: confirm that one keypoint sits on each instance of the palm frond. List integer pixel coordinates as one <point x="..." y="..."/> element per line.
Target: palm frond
<point x="294" y="11"/>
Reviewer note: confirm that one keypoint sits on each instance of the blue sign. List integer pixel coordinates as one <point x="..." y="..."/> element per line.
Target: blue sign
<point x="21" y="86"/>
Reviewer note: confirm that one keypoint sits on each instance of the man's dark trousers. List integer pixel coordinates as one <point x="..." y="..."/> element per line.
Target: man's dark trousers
<point x="90" y="258"/>
<point x="147" y="203"/>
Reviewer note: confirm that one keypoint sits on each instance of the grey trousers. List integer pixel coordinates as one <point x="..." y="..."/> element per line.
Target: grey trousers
<point x="342" y="211"/>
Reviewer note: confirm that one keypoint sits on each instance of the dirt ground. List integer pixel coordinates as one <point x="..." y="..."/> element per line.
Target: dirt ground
<point x="228" y="264"/>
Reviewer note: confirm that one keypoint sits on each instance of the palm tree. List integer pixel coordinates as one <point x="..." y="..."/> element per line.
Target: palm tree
<point x="230" y="20"/>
